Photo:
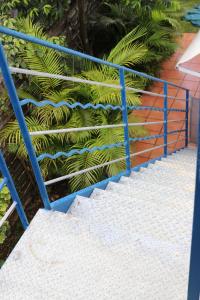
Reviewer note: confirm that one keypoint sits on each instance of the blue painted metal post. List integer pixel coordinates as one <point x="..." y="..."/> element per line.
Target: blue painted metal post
<point x="125" y="118"/>
<point x="24" y="130"/>
<point x="194" y="274"/>
<point x="165" y="117"/>
<point x="186" y="117"/>
<point x="15" y="197"/>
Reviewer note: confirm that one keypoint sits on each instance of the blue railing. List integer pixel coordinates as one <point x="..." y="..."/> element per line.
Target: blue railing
<point x="7" y="181"/>
<point x="63" y="204"/>
<point x="194" y="274"/>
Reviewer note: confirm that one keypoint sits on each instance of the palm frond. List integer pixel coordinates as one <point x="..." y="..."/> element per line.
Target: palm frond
<point x="125" y="44"/>
<point x="40" y="58"/>
<point x="81" y="162"/>
<point x="11" y="135"/>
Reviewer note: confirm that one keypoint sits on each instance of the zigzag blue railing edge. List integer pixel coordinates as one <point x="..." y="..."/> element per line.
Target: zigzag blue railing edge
<point x="3" y="182"/>
<point x="94" y="106"/>
<point x="146" y="138"/>
<point x="69" y="105"/>
<point x="134" y="107"/>
<point x="76" y="151"/>
<point x="177" y="110"/>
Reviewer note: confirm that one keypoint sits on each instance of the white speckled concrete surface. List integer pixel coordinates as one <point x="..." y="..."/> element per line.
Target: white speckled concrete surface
<point x="130" y="242"/>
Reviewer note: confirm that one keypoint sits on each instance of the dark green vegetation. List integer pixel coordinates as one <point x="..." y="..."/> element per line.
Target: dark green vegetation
<point x="5" y="201"/>
<point x="185" y="6"/>
<point x="139" y="34"/>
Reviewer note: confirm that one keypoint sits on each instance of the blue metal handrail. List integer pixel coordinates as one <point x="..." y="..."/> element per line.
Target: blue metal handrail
<point x="194" y="273"/>
<point x="63" y="203"/>
<point x="7" y="180"/>
<point x="59" y="48"/>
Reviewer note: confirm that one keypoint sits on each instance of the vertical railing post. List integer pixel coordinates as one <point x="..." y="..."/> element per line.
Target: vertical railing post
<point x="186" y="117"/>
<point x="125" y="118"/>
<point x="15" y="197"/>
<point x="165" y="118"/>
<point x="194" y="273"/>
<point x="22" y="124"/>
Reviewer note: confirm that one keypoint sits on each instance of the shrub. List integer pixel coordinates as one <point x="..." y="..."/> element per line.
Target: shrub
<point x="5" y="200"/>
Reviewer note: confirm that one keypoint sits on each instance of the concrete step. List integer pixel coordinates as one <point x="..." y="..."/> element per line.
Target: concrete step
<point x="130" y="241"/>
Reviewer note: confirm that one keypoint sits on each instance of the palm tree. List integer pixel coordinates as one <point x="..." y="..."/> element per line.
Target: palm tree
<point x="115" y="19"/>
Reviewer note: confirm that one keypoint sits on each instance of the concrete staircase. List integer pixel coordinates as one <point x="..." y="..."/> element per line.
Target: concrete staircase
<point x="130" y="241"/>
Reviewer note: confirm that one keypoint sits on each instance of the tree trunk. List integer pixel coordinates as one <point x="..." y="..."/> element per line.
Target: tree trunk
<point x="75" y="24"/>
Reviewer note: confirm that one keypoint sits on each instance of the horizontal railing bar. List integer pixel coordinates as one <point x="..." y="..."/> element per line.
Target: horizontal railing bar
<point x="147" y="150"/>
<point x="152" y="123"/>
<point x="61" y="77"/>
<point x="70" y="105"/>
<point x="50" y="45"/>
<point x="3" y="182"/>
<point x="177" y="141"/>
<point x="174" y="97"/>
<point x="90" y="82"/>
<point x="154" y="148"/>
<point x="65" y="130"/>
<point x="47" y="44"/>
<point x="154" y="94"/>
<point x="176" y="131"/>
<point x="144" y="92"/>
<point x="83" y="171"/>
<point x="8" y="213"/>
<point x="146" y="123"/>
<point x="177" y="110"/>
<point x="76" y="151"/>
<point x="145" y="108"/>
<point x="156" y="136"/>
<point x="149" y="76"/>
<point x="178" y="120"/>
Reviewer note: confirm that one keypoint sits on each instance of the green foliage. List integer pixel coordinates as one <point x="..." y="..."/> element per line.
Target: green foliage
<point x="127" y="52"/>
<point x="14" y="46"/>
<point x="46" y="12"/>
<point x="117" y="18"/>
<point x="4" y="203"/>
<point x="1" y="263"/>
<point x="4" y="103"/>
<point x="185" y="25"/>
<point x="135" y="33"/>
